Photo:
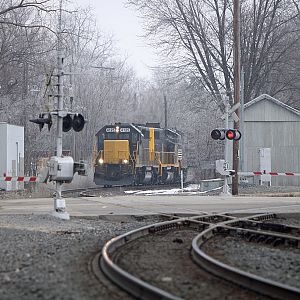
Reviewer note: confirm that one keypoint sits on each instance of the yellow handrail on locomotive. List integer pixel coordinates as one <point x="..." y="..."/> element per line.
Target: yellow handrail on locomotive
<point x="148" y="158"/>
<point x="94" y="154"/>
<point x="168" y="158"/>
<point x="165" y="158"/>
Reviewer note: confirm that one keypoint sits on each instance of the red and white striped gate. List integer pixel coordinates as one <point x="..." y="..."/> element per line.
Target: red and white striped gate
<point x="268" y="173"/>
<point x="19" y="179"/>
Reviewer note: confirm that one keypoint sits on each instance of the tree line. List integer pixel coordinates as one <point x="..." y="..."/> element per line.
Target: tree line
<point x="195" y="42"/>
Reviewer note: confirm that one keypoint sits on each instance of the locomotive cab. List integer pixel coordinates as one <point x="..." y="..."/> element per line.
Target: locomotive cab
<point x="114" y="162"/>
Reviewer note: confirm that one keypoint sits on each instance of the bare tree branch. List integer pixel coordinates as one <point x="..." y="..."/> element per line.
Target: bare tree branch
<point x="200" y="32"/>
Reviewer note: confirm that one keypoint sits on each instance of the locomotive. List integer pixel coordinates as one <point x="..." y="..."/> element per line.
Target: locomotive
<point x="137" y="154"/>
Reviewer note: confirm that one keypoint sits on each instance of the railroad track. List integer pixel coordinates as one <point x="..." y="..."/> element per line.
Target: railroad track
<point x="252" y="231"/>
<point x="200" y="229"/>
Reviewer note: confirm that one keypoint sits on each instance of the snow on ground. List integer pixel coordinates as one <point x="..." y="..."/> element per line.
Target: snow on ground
<point x="192" y="189"/>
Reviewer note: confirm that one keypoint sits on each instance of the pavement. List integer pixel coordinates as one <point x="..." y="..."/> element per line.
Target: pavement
<point x="154" y="204"/>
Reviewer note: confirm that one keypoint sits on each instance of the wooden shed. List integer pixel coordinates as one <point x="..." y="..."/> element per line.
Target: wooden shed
<point x="271" y="140"/>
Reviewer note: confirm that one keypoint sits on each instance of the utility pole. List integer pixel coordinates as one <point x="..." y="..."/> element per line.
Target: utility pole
<point x="237" y="64"/>
<point x="242" y="122"/>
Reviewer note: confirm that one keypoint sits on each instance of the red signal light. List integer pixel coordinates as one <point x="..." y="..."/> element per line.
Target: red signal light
<point x="230" y="134"/>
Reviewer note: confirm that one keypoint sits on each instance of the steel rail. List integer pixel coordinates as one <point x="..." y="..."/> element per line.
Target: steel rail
<point x="254" y="282"/>
<point x="271" y="227"/>
<point x="134" y="285"/>
<point x="130" y="283"/>
<point x="275" y="237"/>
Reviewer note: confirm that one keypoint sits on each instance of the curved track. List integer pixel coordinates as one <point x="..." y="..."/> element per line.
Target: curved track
<point x="259" y="232"/>
<point x="208" y="225"/>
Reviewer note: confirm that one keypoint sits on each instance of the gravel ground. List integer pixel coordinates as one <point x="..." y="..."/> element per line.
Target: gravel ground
<point x="45" y="258"/>
<point x="281" y="264"/>
<point x="255" y="190"/>
<point x="164" y="260"/>
<point x="42" y="257"/>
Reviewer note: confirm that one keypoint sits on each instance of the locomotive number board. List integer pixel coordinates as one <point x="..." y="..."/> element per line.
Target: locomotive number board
<point x="120" y="130"/>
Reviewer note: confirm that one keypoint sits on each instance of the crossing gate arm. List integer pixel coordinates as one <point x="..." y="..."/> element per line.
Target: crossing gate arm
<point x="19" y="179"/>
<point x="268" y="173"/>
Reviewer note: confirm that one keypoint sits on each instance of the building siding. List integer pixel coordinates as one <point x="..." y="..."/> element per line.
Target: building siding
<point x="11" y="154"/>
<point x="269" y="125"/>
<point x="267" y="111"/>
<point x="3" y="148"/>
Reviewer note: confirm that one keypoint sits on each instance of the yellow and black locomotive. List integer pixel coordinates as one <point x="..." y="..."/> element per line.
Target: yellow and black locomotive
<point x="133" y="154"/>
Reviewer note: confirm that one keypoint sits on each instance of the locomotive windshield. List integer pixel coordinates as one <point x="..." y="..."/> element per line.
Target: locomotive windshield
<point x="112" y="136"/>
<point x="117" y="136"/>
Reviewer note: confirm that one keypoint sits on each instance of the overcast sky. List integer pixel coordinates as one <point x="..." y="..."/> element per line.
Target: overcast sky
<point x="113" y="17"/>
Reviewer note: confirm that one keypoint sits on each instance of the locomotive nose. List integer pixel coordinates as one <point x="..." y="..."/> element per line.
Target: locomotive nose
<point x="116" y="151"/>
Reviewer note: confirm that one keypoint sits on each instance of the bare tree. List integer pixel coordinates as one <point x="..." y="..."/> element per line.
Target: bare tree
<point x="198" y="36"/>
<point x="38" y="9"/>
<point x="269" y="39"/>
<point x="101" y="83"/>
<point x="8" y="6"/>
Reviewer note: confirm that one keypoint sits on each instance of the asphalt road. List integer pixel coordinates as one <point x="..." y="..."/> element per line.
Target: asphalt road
<point x="144" y="205"/>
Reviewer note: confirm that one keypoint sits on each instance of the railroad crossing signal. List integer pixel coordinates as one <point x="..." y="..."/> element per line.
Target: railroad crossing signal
<point x="233" y="134"/>
<point x="77" y="122"/>
<point x="44" y="118"/>
<point x="230" y="134"/>
<point x="231" y="112"/>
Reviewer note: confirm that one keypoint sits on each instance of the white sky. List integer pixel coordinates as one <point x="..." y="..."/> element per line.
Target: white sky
<point x="123" y="22"/>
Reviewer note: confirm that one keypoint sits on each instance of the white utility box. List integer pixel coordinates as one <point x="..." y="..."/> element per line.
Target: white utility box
<point x="265" y="166"/>
<point x="61" y="168"/>
<point x="222" y="167"/>
<point x="11" y="155"/>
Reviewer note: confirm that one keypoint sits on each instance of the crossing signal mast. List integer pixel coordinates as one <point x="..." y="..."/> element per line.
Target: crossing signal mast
<point x="226" y="134"/>
<point x="61" y="168"/>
